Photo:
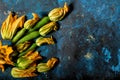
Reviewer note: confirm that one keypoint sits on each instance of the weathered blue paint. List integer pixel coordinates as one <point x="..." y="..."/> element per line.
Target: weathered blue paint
<point x="107" y="54"/>
<point x="117" y="67"/>
<point x="91" y="26"/>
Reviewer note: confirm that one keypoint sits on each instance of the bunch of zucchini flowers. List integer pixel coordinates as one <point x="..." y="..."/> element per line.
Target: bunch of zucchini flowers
<point x="26" y="36"/>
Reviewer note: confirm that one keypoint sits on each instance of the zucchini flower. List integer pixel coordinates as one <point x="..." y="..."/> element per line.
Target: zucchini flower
<point x="39" y="42"/>
<point x="58" y="13"/>
<point x="48" y="28"/>
<point x="10" y="26"/>
<point x="26" y="60"/>
<point x="51" y="62"/>
<point x="22" y="73"/>
<point x="5" y="53"/>
<point x="28" y="24"/>
<point x="44" y="67"/>
<point x="42" y="40"/>
<point x="22" y="46"/>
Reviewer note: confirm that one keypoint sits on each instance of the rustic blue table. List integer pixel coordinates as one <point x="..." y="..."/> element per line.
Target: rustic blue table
<point x="88" y="40"/>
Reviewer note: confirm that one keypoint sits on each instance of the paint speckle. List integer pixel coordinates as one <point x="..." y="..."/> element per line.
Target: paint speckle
<point x="69" y="57"/>
<point x="82" y="15"/>
<point x="5" y="13"/>
<point x="88" y="56"/>
<point x="90" y="38"/>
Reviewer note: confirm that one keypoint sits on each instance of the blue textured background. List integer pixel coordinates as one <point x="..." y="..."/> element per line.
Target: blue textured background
<point x="88" y="41"/>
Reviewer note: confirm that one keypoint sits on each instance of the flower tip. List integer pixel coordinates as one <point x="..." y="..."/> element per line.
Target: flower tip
<point x="22" y="17"/>
<point x="66" y="7"/>
<point x="55" y="28"/>
<point x="35" y="16"/>
<point x="51" y="37"/>
<point x="10" y="13"/>
<point x="20" y="21"/>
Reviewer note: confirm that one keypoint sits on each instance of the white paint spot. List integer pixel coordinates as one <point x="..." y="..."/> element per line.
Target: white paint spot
<point x="88" y="56"/>
<point x="61" y="26"/>
<point x="5" y="13"/>
<point x="82" y="15"/>
<point x="90" y="38"/>
<point x="69" y="57"/>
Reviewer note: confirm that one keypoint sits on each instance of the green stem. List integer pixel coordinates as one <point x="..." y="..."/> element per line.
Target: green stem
<point x="28" y="37"/>
<point x="18" y="35"/>
<point x="32" y="47"/>
<point x="42" y="22"/>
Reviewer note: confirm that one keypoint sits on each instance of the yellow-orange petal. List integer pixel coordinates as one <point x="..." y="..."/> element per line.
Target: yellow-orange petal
<point x="14" y="26"/>
<point x="51" y="62"/>
<point x="2" y="67"/>
<point x="35" y="16"/>
<point x="2" y="61"/>
<point x="6" y="25"/>
<point x="33" y="55"/>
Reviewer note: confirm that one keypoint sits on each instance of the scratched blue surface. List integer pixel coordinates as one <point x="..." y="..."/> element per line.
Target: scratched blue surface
<point x="88" y="41"/>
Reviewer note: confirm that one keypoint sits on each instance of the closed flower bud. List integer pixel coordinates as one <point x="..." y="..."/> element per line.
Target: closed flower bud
<point x="29" y="23"/>
<point x="22" y="46"/>
<point x="58" y="13"/>
<point x="48" y="28"/>
<point x="25" y="61"/>
<point x="44" y="67"/>
<point x="42" y="40"/>
<point x="22" y="73"/>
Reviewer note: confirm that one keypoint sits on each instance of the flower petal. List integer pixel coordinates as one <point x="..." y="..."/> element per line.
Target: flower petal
<point x="29" y="23"/>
